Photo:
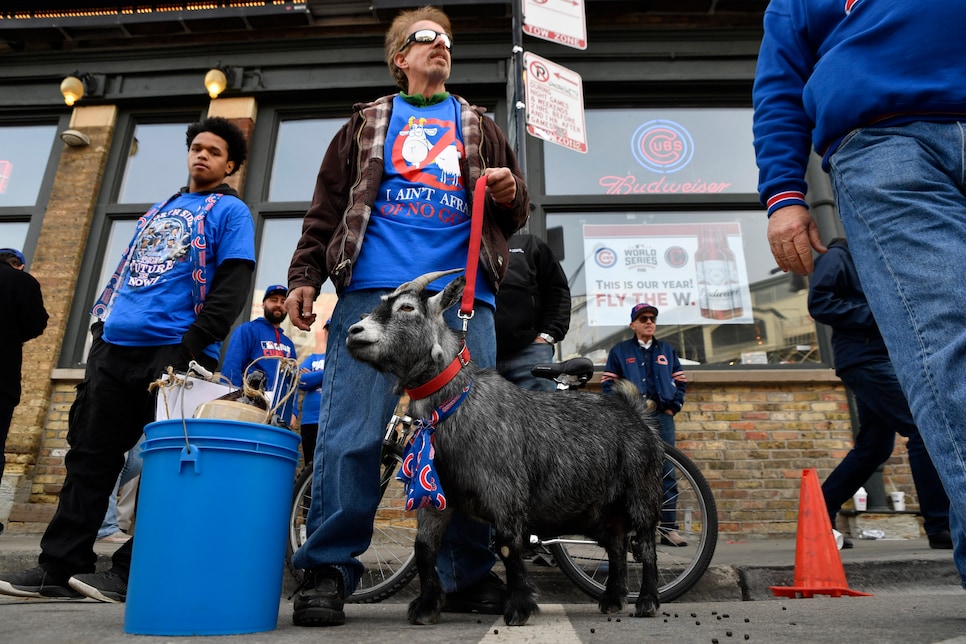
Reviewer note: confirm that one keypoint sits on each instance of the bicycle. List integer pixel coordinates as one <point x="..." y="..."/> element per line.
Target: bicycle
<point x="390" y="563"/>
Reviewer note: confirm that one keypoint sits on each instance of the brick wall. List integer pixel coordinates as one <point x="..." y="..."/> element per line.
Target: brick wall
<point x="750" y="433"/>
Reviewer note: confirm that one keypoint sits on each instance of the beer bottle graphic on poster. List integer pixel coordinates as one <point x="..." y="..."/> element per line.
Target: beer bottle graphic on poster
<point x="719" y="292"/>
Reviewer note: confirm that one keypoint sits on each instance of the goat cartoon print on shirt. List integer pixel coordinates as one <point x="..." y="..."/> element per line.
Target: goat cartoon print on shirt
<point x="428" y="152"/>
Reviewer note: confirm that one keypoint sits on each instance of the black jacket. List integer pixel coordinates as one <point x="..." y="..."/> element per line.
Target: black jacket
<point x="26" y="318"/>
<point x="534" y="297"/>
<point x="836" y="298"/>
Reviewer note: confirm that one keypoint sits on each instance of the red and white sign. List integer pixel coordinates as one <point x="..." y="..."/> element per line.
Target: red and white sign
<point x="559" y="21"/>
<point x="555" y="103"/>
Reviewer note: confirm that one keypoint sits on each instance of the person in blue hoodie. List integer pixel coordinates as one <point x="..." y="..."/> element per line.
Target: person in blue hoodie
<point x="878" y="90"/>
<point x="310" y="384"/>
<point x="836" y="298"/>
<point x="654" y="368"/>
<point x="183" y="279"/>
<point x="262" y="338"/>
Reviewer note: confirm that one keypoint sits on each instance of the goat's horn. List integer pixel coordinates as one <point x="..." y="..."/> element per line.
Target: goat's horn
<point x="423" y="281"/>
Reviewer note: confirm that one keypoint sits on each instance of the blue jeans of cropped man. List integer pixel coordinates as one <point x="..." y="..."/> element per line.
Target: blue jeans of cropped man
<point x="516" y="366"/>
<point x="900" y="193"/>
<point x="883" y="412"/>
<point x="132" y="467"/>
<point x="357" y="401"/>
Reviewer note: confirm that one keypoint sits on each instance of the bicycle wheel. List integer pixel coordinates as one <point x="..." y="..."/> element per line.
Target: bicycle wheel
<point x="678" y="569"/>
<point x="389" y="561"/>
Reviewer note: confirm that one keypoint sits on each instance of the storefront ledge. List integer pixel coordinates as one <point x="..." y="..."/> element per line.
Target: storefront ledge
<point x="715" y="376"/>
<point x="67" y="374"/>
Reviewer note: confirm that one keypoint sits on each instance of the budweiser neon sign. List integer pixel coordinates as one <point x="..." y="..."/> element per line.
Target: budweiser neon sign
<point x="630" y="185"/>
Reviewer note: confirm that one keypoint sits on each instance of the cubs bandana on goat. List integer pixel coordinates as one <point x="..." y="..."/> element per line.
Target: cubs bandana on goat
<point x="418" y="471"/>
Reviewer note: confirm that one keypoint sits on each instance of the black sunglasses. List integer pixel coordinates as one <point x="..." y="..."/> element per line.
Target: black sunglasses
<point x="426" y="36"/>
<point x="647" y="318"/>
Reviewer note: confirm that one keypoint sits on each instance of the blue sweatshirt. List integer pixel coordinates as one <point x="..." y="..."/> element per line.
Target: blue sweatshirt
<point x="253" y="340"/>
<point x="827" y="67"/>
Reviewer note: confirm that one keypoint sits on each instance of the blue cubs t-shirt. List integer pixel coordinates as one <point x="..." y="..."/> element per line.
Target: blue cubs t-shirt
<point x="154" y="305"/>
<point x="421" y="219"/>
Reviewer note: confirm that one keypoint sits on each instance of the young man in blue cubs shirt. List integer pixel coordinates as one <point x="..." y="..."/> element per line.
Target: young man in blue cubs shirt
<point x="182" y="281"/>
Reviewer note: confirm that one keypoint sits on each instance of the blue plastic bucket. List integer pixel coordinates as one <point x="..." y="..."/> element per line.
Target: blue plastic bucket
<point x="212" y="523"/>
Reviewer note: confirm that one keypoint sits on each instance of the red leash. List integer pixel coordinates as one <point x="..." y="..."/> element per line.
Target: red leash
<point x="466" y="304"/>
<point x="473" y="257"/>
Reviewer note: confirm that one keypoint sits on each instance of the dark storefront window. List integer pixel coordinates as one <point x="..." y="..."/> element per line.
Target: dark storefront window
<point x="661" y="220"/>
<point x="156" y="164"/>
<point x="25" y="157"/>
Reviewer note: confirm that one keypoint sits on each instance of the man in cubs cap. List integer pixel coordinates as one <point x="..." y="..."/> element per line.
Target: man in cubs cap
<point x="281" y="289"/>
<point x="643" y="307"/>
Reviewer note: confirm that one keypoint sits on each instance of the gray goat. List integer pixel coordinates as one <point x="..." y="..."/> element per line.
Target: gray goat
<point x="545" y="463"/>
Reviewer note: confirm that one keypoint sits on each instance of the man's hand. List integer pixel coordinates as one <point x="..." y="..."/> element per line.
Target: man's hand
<point x="298" y="305"/>
<point x="501" y="185"/>
<point x="792" y="234"/>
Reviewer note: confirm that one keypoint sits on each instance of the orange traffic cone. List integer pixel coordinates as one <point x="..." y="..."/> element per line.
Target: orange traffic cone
<point x="818" y="566"/>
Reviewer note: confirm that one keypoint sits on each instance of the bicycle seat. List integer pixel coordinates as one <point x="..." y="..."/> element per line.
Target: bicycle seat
<point x="581" y="369"/>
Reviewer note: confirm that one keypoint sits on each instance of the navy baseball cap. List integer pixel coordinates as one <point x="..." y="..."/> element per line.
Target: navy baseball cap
<point x="273" y="289"/>
<point x="16" y="253"/>
<point x="643" y="307"/>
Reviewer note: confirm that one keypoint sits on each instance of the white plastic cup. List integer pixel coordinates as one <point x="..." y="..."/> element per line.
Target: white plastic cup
<point x="898" y="501"/>
<point x="839" y="538"/>
<point x="860" y="499"/>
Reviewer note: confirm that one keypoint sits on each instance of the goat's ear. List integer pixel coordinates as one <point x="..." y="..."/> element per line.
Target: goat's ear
<point x="449" y="295"/>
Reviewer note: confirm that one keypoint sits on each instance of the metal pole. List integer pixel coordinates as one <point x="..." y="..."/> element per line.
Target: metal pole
<point x="517" y="111"/>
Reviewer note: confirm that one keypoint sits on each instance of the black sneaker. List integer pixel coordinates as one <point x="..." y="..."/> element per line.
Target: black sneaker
<point x="486" y="597"/>
<point x="942" y="540"/>
<point x="107" y="586"/>
<point x="320" y="598"/>
<point x="35" y="582"/>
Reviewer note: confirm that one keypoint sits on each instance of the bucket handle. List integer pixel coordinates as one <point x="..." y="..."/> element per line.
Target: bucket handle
<point x="190" y="454"/>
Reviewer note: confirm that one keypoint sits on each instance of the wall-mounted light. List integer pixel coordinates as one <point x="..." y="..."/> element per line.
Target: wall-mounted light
<point x="75" y="138"/>
<point x="221" y="77"/>
<point x="77" y="85"/>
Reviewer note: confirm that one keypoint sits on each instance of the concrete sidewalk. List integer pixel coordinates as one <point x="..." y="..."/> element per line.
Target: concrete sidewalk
<point x="740" y="570"/>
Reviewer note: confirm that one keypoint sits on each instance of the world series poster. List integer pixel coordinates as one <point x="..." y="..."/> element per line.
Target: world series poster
<point x="693" y="273"/>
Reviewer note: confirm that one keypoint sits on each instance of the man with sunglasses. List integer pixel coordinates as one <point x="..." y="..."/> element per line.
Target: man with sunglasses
<point x="392" y="202"/>
<point x="653" y="366"/>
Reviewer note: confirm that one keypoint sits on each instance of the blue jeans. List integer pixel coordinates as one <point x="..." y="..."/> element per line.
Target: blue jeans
<point x="357" y="401"/>
<point x="900" y="195"/>
<point x="669" y="508"/>
<point x="883" y="411"/>
<point x="132" y="467"/>
<point x="516" y="366"/>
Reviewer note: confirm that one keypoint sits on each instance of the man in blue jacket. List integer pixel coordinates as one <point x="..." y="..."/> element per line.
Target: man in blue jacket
<point x="653" y="366"/>
<point x="879" y="90"/>
<point x="836" y="298"/>
<point x="262" y="338"/>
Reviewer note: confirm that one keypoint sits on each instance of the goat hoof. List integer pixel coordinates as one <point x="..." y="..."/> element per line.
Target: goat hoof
<point x="421" y="615"/>
<point x="610" y="607"/>
<point x="516" y="618"/>
<point x="646" y="607"/>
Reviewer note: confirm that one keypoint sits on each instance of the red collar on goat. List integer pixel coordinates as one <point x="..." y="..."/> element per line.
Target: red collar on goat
<point x="461" y="360"/>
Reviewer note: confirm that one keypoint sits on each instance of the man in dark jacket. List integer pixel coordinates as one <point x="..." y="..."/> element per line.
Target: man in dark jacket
<point x="27" y="320"/>
<point x="836" y="298"/>
<point x="182" y="281"/>
<point x="653" y="366"/>
<point x="532" y="311"/>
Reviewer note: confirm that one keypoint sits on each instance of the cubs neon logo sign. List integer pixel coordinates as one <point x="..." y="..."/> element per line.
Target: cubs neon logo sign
<point x="662" y="146"/>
